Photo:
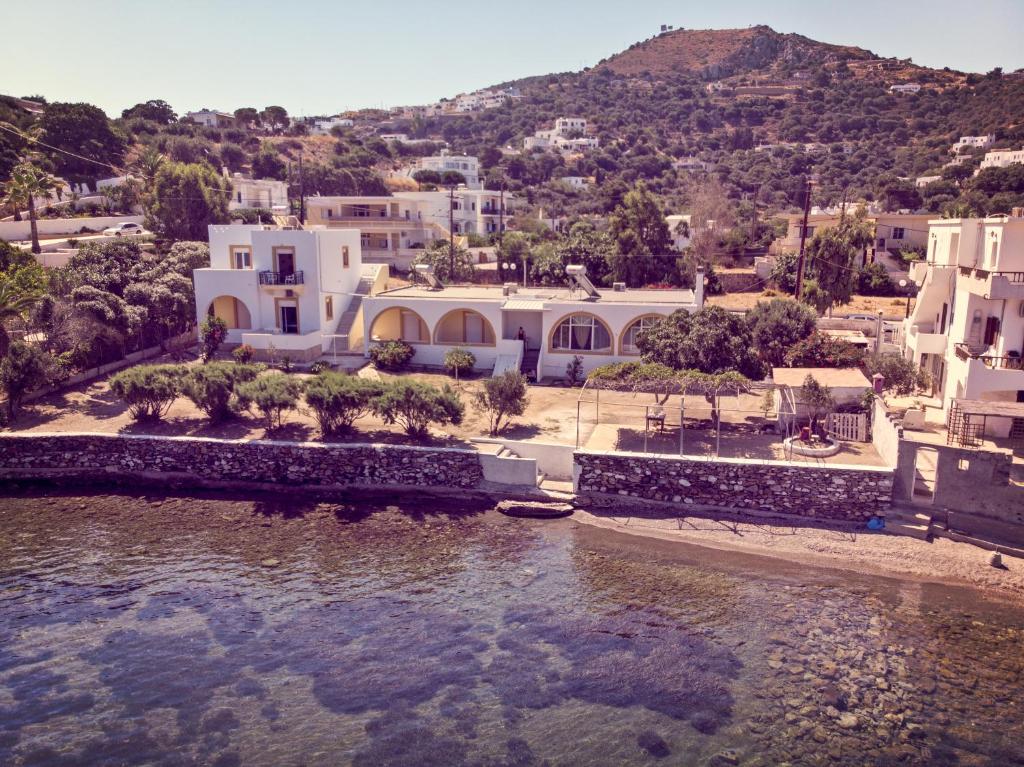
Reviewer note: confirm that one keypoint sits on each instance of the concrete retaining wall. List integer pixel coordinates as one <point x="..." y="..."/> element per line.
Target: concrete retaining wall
<point x="217" y="460"/>
<point x="506" y="470"/>
<point x="554" y="460"/>
<point x="885" y="433"/>
<point x="22" y="230"/>
<point x="837" y="492"/>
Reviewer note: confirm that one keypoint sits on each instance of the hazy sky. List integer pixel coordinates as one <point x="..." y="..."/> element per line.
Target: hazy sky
<point x="321" y="57"/>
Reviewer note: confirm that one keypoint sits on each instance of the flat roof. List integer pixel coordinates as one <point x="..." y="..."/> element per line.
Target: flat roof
<point x="990" y="407"/>
<point x="553" y="294"/>
<point x="843" y="378"/>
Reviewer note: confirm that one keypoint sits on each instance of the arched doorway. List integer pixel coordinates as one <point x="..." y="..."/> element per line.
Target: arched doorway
<point x="232" y="311"/>
<point x="399" y="324"/>
<point x="464" y="326"/>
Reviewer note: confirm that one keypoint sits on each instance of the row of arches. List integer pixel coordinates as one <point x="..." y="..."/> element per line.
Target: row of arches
<point x="575" y="333"/>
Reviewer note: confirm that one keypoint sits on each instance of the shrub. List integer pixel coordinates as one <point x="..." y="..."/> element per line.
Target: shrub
<point x="902" y="376"/>
<point x="212" y="333"/>
<point x="817" y="399"/>
<point x="320" y="366"/>
<point x="501" y="397"/>
<point x="874" y="280"/>
<point x="337" y="399"/>
<point x="243" y="354"/>
<point x="459" y="361"/>
<point x="273" y="395"/>
<point x="148" y="390"/>
<point x="392" y="355"/>
<point x="574" y="371"/>
<point x="415" y="405"/>
<point x="23" y="369"/>
<point x="777" y="325"/>
<point x="211" y="386"/>
<point x="821" y="351"/>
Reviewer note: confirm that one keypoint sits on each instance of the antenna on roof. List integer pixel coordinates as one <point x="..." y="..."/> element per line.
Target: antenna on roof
<point x="578" y="272"/>
<point x="427" y="272"/>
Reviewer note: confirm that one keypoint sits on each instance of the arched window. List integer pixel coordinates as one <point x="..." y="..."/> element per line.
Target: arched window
<point x="581" y="333"/>
<point x="464" y="326"/>
<point x="398" y="324"/>
<point x="232" y="311"/>
<point x="627" y="344"/>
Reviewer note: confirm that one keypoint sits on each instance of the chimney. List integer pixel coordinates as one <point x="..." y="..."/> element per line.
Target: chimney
<point x="698" y="287"/>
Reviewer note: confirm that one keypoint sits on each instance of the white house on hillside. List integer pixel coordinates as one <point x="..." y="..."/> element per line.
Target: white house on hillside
<point x="905" y="88"/>
<point x="282" y="291"/>
<point x="967" y="327"/>
<point x="1001" y="158"/>
<point x="211" y="118"/>
<point x="568" y="135"/>
<point x="467" y="165"/>
<point x="262" y="193"/>
<point x="973" y="142"/>
<point x="557" y="323"/>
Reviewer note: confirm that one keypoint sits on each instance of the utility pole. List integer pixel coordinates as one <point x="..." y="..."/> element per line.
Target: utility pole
<point x="803" y="241"/>
<point x="501" y="230"/>
<point x="451" y="233"/>
<point x="302" y="196"/>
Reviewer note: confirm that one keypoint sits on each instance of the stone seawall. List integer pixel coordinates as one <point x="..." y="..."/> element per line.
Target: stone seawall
<point x="848" y="493"/>
<point x="227" y="461"/>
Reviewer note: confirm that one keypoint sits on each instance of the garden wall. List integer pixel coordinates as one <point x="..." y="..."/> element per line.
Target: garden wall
<point x="836" y="492"/>
<point x="228" y="461"/>
<point x="22" y="230"/>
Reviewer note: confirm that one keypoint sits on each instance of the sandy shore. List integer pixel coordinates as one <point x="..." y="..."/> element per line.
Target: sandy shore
<point x="940" y="561"/>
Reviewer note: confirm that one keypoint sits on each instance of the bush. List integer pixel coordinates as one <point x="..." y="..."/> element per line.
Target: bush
<point x="337" y="399"/>
<point x="501" y="397"/>
<point x="415" y="405"/>
<point x="24" y="369"/>
<point x="212" y="333"/>
<point x="574" y="371"/>
<point x="320" y="366"/>
<point x="777" y="325"/>
<point x="874" y="280"/>
<point x="148" y="390"/>
<point x="243" y="354"/>
<point x="273" y="395"/>
<point x="821" y="351"/>
<point x="392" y="355"/>
<point x="459" y="361"/>
<point x="902" y="376"/>
<point x="212" y="386"/>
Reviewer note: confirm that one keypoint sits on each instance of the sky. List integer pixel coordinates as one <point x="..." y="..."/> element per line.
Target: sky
<point x="320" y="57"/>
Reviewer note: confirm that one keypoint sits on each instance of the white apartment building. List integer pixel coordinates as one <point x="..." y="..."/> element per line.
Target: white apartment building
<point x="467" y="165"/>
<point x="566" y="136"/>
<point x="395" y="229"/>
<point x="281" y="291"/>
<point x="1001" y="158"/>
<point x="973" y="142"/>
<point x="967" y="327"/>
<point x="262" y="193"/>
<point x="322" y="127"/>
<point x="557" y="323"/>
<point x="211" y="118"/>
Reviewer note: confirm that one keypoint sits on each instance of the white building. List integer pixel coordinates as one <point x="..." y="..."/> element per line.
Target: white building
<point x="973" y="142"/>
<point x="263" y="193"/>
<point x="282" y="291"/>
<point x="395" y="229"/>
<point x="558" y="323"/>
<point x="1001" y="158"/>
<point x="905" y="88"/>
<point x="467" y="165"/>
<point x="211" y="118"/>
<point x="323" y="126"/>
<point x="568" y="135"/>
<point x="967" y="327"/>
<point x="923" y="181"/>
<point x="679" y="229"/>
<point x="575" y="182"/>
<point x="690" y="165"/>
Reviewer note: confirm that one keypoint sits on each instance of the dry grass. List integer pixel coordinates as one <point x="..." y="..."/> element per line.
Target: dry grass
<point x="893" y="308"/>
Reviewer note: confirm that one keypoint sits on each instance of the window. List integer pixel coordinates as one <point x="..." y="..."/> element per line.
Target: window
<point x="241" y="258"/>
<point x="629" y="337"/>
<point x="329" y="307"/>
<point x="897" y="233"/>
<point x="581" y="332"/>
<point x="344" y="256"/>
<point x="992" y="253"/>
<point x="329" y="212"/>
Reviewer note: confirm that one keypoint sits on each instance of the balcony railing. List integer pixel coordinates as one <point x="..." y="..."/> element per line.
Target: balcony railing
<point x="281" y="278"/>
<point x="1007" y="362"/>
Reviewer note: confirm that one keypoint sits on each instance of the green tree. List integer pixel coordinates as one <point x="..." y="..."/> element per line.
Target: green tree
<point x="274" y="117"/>
<point x="27" y="182"/>
<point x="186" y="199"/>
<point x="427" y="178"/>
<point x="585" y="244"/>
<point x="247" y="117"/>
<point x="24" y="369"/>
<point x="156" y="110"/>
<point x="21" y="288"/>
<point x="711" y="340"/>
<point x="817" y="399"/>
<point x="502" y="397"/>
<point x="273" y="395"/>
<point x="822" y="351"/>
<point x="459" y="361"/>
<point x="639" y="229"/>
<point x="212" y="387"/>
<point x="437" y="255"/>
<point x="338" y="399"/>
<point x="415" y="405"/>
<point x="268" y="163"/>
<point x="902" y="376"/>
<point x="81" y="131"/>
<point x="777" y="325"/>
<point x="831" y="257"/>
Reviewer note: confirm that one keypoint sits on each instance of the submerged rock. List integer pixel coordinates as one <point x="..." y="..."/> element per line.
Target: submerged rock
<point x="653" y="744"/>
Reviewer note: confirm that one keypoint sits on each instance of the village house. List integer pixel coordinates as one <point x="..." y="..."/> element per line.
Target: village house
<point x="893" y="231"/>
<point x="283" y="291"/>
<point x="557" y="323"/>
<point x="323" y="126"/>
<point x="467" y="165"/>
<point x="211" y="118"/>
<point x="576" y="182"/>
<point x="262" y="193"/>
<point x="568" y="135"/>
<point x="973" y="142"/>
<point x="1001" y="158"/>
<point x="967" y="327"/>
<point x="904" y="88"/>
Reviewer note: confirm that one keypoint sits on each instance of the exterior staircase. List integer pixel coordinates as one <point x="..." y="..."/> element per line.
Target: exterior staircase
<point x="343" y="328"/>
<point x="504" y="452"/>
<point x="528" y="367"/>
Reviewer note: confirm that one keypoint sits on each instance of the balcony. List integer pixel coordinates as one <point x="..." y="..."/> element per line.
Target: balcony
<point x="1011" y="361"/>
<point x="923" y="339"/>
<point x="994" y="285"/>
<point x="281" y="278"/>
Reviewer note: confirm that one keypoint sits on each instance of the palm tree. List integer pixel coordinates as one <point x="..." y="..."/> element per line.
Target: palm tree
<point x="27" y="182"/>
<point x="15" y="302"/>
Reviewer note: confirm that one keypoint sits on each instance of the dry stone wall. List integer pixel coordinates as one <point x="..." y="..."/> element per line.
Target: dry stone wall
<point x="781" y="487"/>
<point x="215" y="460"/>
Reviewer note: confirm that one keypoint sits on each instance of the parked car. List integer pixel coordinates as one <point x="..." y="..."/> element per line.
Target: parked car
<point x="125" y="227"/>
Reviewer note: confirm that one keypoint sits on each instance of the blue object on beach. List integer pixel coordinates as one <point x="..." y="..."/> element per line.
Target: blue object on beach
<point x="876" y="523"/>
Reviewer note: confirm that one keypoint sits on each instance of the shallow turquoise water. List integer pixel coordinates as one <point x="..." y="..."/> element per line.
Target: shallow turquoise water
<point x="216" y="630"/>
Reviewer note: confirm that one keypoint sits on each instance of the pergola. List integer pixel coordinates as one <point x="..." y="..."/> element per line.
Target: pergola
<point x="661" y="382"/>
<point x="969" y="417"/>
